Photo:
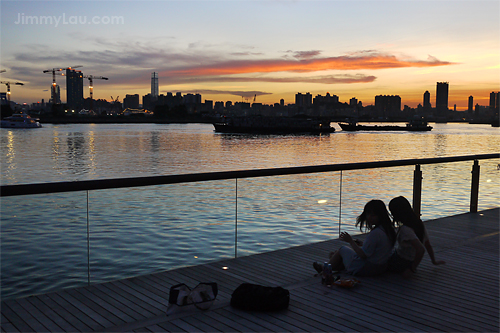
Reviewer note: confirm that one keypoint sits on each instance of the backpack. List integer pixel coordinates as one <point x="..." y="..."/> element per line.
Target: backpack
<point x="254" y="297"/>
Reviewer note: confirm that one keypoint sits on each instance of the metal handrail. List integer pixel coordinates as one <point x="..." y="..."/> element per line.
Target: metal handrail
<point x="87" y="185"/>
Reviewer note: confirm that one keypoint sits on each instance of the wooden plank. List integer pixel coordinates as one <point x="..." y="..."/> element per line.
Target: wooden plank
<point x="438" y="298"/>
<point x="15" y="319"/>
<point x="65" y="313"/>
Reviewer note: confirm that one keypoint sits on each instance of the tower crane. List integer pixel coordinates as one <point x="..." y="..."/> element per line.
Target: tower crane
<point x="53" y="71"/>
<point x="8" y="87"/>
<point x="91" y="86"/>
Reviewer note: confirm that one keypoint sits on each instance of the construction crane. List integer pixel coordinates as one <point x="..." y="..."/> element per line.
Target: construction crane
<point x="91" y="86"/>
<point x="53" y="71"/>
<point x="8" y="87"/>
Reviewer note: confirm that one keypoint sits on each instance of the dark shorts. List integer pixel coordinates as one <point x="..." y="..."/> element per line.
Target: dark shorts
<point x="398" y="264"/>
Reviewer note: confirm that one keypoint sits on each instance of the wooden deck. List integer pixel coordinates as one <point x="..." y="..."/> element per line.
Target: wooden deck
<point x="461" y="296"/>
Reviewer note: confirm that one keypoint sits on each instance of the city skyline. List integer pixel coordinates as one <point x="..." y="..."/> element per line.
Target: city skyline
<point x="232" y="51"/>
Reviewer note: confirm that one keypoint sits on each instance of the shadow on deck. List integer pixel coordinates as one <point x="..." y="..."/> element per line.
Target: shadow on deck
<point x="462" y="295"/>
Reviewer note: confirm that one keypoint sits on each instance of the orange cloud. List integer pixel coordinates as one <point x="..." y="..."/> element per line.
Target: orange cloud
<point x="348" y="62"/>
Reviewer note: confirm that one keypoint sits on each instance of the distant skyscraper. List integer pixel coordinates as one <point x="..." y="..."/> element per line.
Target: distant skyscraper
<point x="388" y="105"/>
<point x="442" y="99"/>
<point x="471" y="104"/>
<point x="154" y="86"/>
<point x="427" y="100"/>
<point x="57" y="91"/>
<point x="494" y="100"/>
<point x="303" y="100"/>
<point x="74" y="89"/>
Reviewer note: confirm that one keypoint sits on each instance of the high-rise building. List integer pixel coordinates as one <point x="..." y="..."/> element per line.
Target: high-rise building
<point x="427" y="99"/>
<point x="494" y="100"/>
<point x="442" y="99"/>
<point x="74" y="89"/>
<point x="303" y="100"/>
<point x="57" y="95"/>
<point x="471" y="105"/>
<point x="387" y="106"/>
<point x="131" y="101"/>
<point x="154" y="86"/>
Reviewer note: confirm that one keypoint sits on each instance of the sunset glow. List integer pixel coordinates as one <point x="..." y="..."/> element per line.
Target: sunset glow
<point x="270" y="49"/>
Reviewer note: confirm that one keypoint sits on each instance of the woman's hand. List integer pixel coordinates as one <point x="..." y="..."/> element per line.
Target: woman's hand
<point x="344" y="236"/>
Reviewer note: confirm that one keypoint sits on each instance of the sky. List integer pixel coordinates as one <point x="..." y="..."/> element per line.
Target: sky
<point x="271" y="50"/>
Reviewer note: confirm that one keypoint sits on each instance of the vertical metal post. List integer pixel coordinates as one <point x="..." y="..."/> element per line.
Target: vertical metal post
<point x="417" y="189"/>
<point x="474" y="192"/>
<point x="236" y="221"/>
<point x="340" y="202"/>
<point x="88" y="240"/>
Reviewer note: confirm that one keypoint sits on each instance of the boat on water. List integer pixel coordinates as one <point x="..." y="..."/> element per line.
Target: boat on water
<point x="273" y="125"/>
<point x="20" y="120"/>
<point x="413" y="125"/>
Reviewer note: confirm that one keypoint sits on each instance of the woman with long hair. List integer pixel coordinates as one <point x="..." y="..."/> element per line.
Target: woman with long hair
<point x="369" y="257"/>
<point x="412" y="239"/>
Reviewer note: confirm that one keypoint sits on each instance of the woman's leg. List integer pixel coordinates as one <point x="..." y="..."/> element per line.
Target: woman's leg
<point x="336" y="261"/>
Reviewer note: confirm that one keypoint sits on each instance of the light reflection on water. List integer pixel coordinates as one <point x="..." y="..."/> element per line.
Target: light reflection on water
<point x="142" y="230"/>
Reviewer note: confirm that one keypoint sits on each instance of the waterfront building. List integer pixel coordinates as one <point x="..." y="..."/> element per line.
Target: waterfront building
<point x="471" y="104"/>
<point x="494" y="100"/>
<point x="427" y="100"/>
<point x="74" y="89"/>
<point x="147" y="102"/>
<point x="131" y="101"/>
<point x="303" y="100"/>
<point x="57" y="94"/>
<point x="154" y="86"/>
<point x="388" y="106"/>
<point x="442" y="99"/>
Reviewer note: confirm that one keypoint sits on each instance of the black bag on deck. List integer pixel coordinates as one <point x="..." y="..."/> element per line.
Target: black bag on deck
<point x="254" y="297"/>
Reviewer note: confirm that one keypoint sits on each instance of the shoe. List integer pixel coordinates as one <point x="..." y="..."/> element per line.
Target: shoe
<point x="318" y="267"/>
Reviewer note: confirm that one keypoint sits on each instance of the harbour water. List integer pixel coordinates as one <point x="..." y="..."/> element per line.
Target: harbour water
<point x="44" y="244"/>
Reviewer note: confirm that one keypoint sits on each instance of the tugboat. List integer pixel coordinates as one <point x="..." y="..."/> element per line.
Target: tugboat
<point x="273" y="125"/>
<point x="20" y="120"/>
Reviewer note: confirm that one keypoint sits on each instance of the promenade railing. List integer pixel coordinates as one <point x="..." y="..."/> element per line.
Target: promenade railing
<point x="22" y="190"/>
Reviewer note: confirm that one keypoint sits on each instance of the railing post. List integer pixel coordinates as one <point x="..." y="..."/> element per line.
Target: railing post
<point x="236" y="220"/>
<point x="474" y="191"/>
<point x="88" y="240"/>
<point x="417" y="189"/>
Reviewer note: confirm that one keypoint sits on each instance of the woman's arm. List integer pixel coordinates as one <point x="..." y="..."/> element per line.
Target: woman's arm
<point x="344" y="236"/>
<point x="430" y="250"/>
<point x="419" y="254"/>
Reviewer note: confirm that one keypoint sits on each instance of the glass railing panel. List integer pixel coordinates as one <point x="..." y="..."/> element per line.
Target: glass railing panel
<point x="284" y="211"/>
<point x="361" y="186"/>
<point x="489" y="184"/>
<point x="143" y="230"/>
<point x="446" y="188"/>
<point x="43" y="243"/>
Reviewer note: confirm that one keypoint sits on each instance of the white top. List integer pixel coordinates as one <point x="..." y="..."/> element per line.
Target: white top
<point x="377" y="246"/>
<point x="404" y="247"/>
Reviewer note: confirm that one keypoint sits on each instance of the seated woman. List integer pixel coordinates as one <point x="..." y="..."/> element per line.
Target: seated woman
<point x="412" y="239"/>
<point x="371" y="256"/>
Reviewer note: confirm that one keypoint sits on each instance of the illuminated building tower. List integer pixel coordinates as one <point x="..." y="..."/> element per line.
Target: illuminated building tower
<point x="471" y="105"/>
<point x="74" y="89"/>
<point x="57" y="93"/>
<point x="442" y="99"/>
<point x="154" y="86"/>
<point x="427" y="100"/>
